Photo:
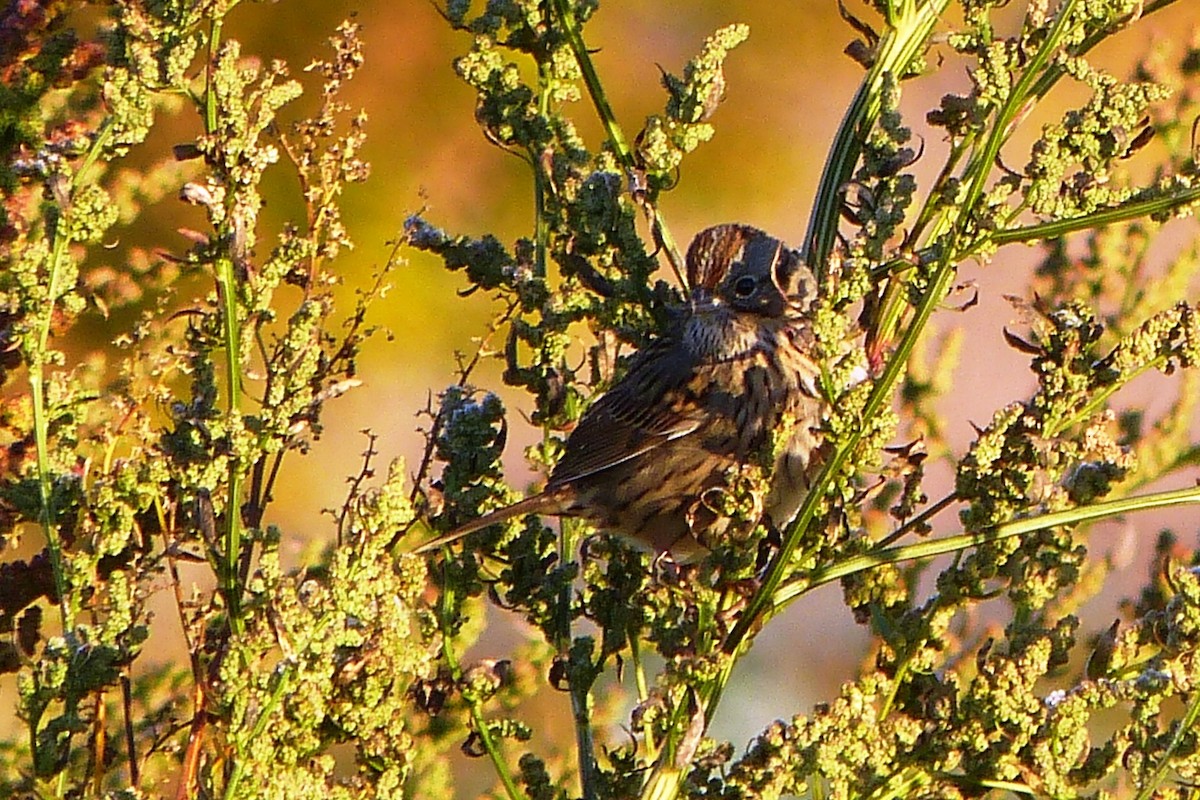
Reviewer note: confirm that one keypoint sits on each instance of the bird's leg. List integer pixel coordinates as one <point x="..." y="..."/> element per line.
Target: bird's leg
<point x="768" y="546"/>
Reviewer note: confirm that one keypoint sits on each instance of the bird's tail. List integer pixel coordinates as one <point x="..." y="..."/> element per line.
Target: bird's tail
<point x="544" y="502"/>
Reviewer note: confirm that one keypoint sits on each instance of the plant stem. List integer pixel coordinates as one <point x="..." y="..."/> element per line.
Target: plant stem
<point x="903" y="42"/>
<point x="907" y="39"/>
<point x="926" y="514"/>
<point x="643" y="692"/>
<point x="210" y="96"/>
<point x="37" y="384"/>
<point x="591" y="79"/>
<point x="282" y="675"/>
<point x="541" y="228"/>
<point x="580" y="693"/>
<point x="964" y="541"/>
<point x="1133" y="209"/>
<point x="584" y="741"/>
<point x="616" y="136"/>
<point x="46" y="514"/>
<point x="490" y="745"/>
<point x="231" y="333"/>
<point x="1183" y="728"/>
<point x="1055" y="72"/>
<point x="225" y="274"/>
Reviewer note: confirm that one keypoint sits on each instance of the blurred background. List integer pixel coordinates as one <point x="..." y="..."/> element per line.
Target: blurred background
<point x="787" y="88"/>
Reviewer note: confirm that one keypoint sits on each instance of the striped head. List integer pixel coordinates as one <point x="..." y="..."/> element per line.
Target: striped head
<point x="749" y="271"/>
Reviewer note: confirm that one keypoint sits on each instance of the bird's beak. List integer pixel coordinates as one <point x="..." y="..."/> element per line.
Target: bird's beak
<point x="704" y="301"/>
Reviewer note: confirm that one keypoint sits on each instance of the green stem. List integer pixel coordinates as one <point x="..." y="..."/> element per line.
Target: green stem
<point x="1052" y="75"/>
<point x="964" y="541"/>
<point x="585" y="743"/>
<point x="36" y="360"/>
<point x="643" y="691"/>
<point x="541" y="227"/>
<point x="902" y="43"/>
<point x="1102" y="394"/>
<point x="580" y="694"/>
<point x="37" y="383"/>
<point x="231" y="333"/>
<point x="210" y="94"/>
<point x="919" y="27"/>
<point x="616" y="137"/>
<point x="284" y="672"/>
<point x="979" y="168"/>
<point x="591" y="79"/>
<point x="927" y="514"/>
<point x="225" y="273"/>
<point x="475" y="707"/>
<point x="300" y="652"/>
<point x="903" y="784"/>
<point x="1184" y="727"/>
<point x="283" y="676"/>
<point x="46" y="513"/>
<point x="1003" y="786"/>
<point x="1134" y="209"/>
<point x="663" y="783"/>
<point x="541" y="230"/>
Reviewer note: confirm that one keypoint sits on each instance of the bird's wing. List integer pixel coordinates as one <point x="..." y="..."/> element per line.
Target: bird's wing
<point x="653" y="404"/>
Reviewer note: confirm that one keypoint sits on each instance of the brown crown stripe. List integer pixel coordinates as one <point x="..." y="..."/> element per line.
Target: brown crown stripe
<point x="713" y="250"/>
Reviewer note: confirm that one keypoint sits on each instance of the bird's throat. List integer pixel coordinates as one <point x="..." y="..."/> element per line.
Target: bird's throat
<point x="722" y="335"/>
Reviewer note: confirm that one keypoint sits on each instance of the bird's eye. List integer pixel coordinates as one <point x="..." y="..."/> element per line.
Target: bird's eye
<point x="744" y="286"/>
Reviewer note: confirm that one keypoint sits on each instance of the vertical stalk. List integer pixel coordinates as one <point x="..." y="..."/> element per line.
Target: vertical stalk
<point x="903" y="41"/>
<point x="210" y="97"/>
<point x="37" y="385"/>
<point x="490" y="745"/>
<point x="616" y="137"/>
<point x="36" y="361"/>
<point x="585" y="744"/>
<point x="541" y="231"/>
<point x="979" y="167"/>
<point x="231" y="333"/>
<point x="46" y="514"/>
<point x="1183" y="728"/>
<point x="591" y="79"/>
<point x="643" y="690"/>
<point x="580" y="695"/>
<point x="225" y="273"/>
